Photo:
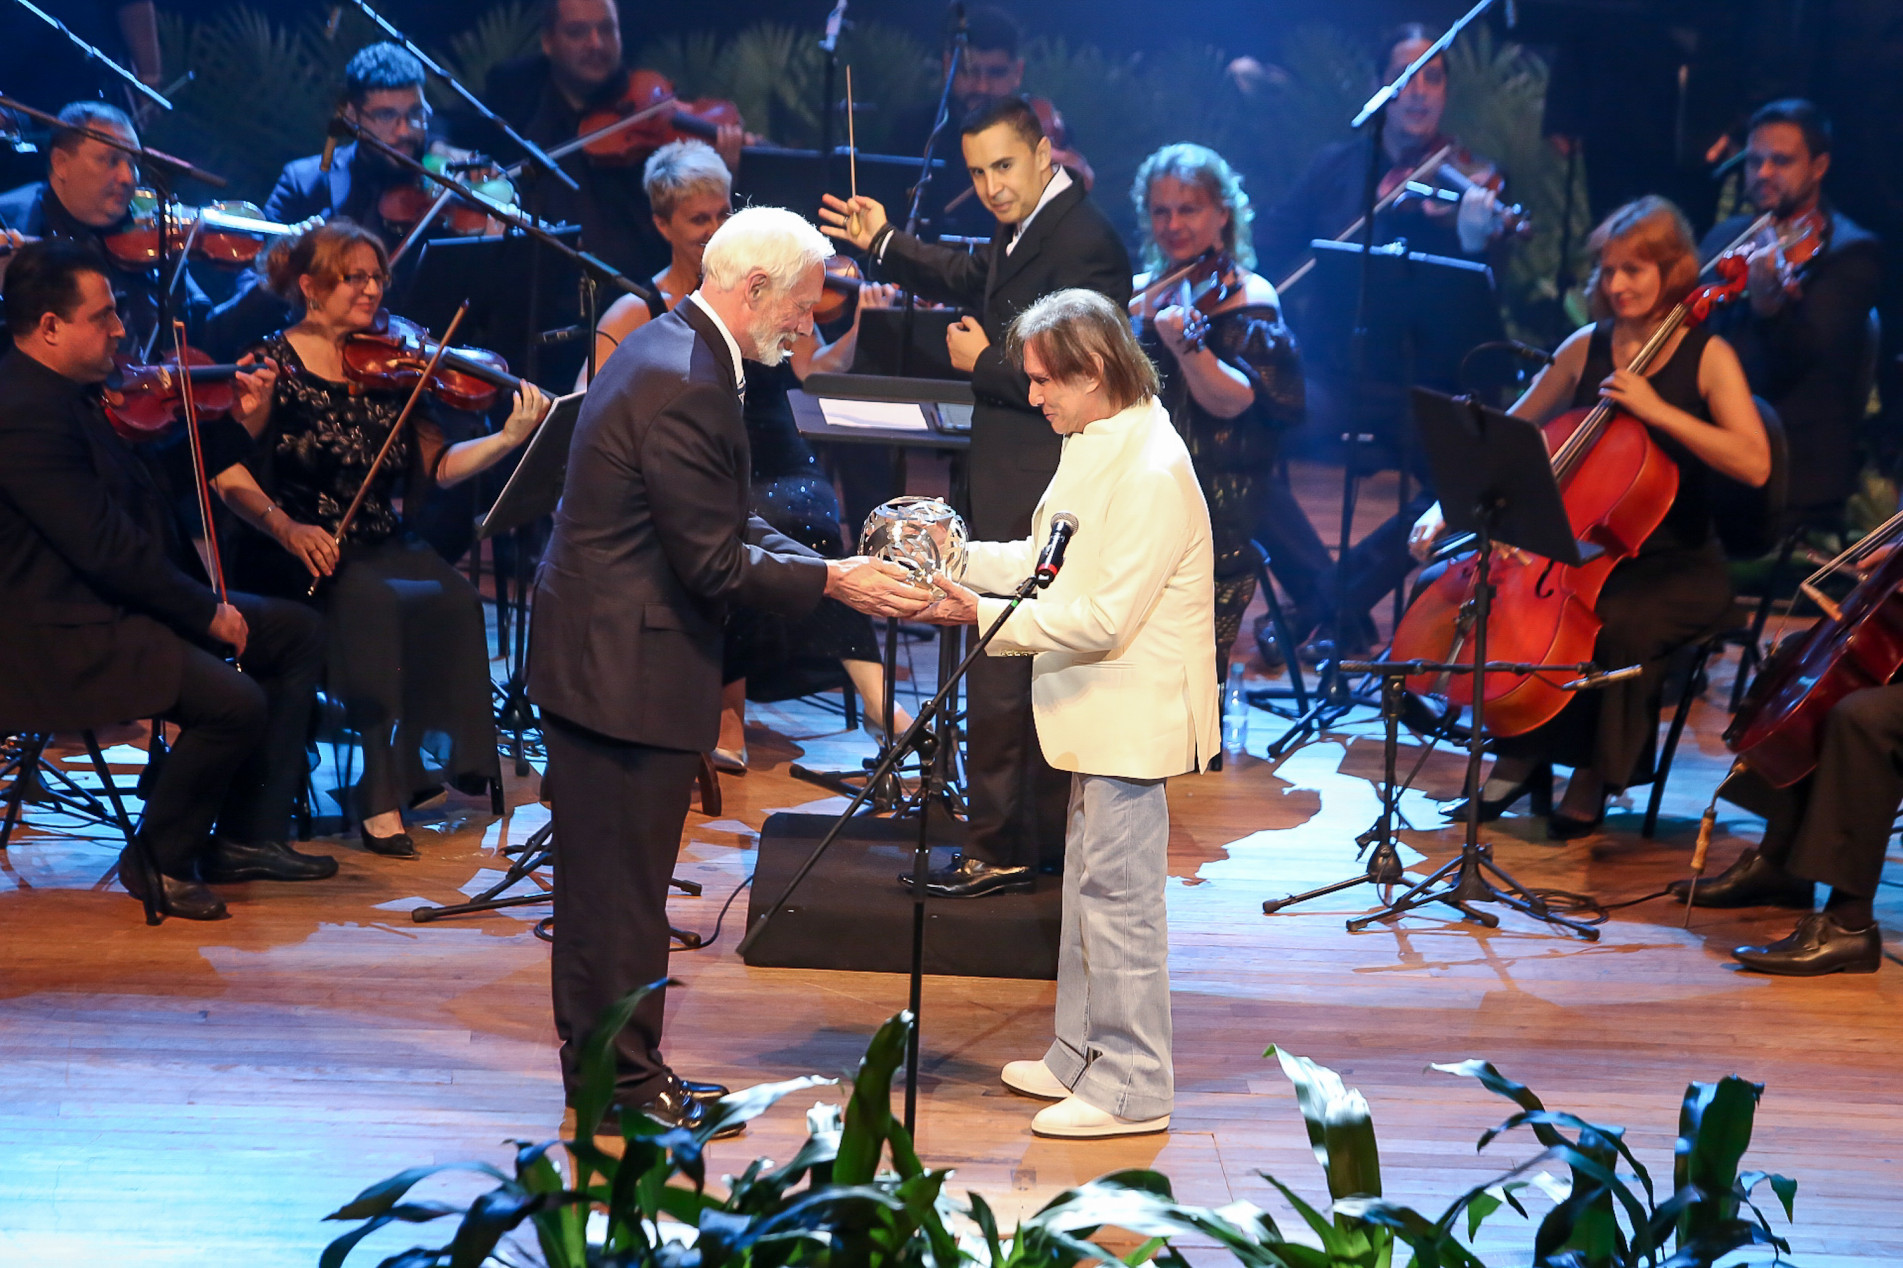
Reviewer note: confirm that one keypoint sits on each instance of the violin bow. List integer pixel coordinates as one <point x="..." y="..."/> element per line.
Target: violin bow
<point x="396" y="429"/>
<point x="187" y="395"/>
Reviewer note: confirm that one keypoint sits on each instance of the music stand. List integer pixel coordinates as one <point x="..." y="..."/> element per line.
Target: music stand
<point x="1496" y="481"/>
<point x="773" y="176"/>
<point x="1423" y="314"/>
<point x="535" y="486"/>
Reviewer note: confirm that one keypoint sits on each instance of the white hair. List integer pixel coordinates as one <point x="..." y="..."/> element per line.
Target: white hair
<point x="781" y="243"/>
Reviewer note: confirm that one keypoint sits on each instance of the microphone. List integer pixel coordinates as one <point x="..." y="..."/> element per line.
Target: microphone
<point x="337" y="16"/>
<point x="331" y="133"/>
<point x="1527" y="352"/>
<point x="1051" y="562"/>
<point x="1597" y="678"/>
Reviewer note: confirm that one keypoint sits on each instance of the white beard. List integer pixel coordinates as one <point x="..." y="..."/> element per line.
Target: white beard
<point x="771" y="347"/>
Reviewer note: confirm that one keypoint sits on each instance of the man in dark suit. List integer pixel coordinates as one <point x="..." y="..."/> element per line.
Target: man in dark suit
<point x="652" y="544"/>
<point x="106" y="622"/>
<point x="1050" y="237"/>
<point x="1807" y="341"/>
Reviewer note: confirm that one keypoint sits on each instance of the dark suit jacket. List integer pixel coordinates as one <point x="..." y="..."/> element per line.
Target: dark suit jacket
<point x="95" y="602"/>
<point x="653" y="543"/>
<point x="1014" y="452"/>
<point x="1810" y="358"/>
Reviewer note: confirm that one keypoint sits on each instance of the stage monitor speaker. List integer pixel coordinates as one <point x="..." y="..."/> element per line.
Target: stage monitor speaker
<point x="851" y="912"/>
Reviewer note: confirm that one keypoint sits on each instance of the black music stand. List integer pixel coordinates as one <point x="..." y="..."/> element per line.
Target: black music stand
<point x="1496" y="481"/>
<point x="1422" y="315"/>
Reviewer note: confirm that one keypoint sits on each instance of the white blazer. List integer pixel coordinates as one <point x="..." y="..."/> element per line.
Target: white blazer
<point x="1125" y="638"/>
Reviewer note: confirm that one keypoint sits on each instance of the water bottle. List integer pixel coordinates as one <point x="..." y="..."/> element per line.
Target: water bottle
<point x="1235" y="712"/>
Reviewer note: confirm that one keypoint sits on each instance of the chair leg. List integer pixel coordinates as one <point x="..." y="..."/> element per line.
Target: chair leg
<point x="709" y="786"/>
<point x="849" y="702"/>
<point x="26" y="768"/>
<point x="111" y="784"/>
<point x="1680" y="716"/>
<point x="1753" y="655"/>
<point x="1279" y="620"/>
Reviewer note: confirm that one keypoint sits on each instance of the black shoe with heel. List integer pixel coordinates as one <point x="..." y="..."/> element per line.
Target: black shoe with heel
<point x="397" y="847"/>
<point x="1536" y="785"/>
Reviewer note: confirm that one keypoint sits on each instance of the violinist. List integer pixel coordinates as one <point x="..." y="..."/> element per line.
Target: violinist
<point x="545" y="96"/>
<point x="691" y="192"/>
<point x="87" y="197"/>
<point x="1805" y="337"/>
<point x="991" y="70"/>
<point x="407" y="656"/>
<point x="109" y="616"/>
<point x="1047" y="236"/>
<point x="1232" y="381"/>
<point x="1698" y="409"/>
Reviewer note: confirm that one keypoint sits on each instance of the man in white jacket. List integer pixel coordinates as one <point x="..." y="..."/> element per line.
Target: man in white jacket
<point x="1124" y="694"/>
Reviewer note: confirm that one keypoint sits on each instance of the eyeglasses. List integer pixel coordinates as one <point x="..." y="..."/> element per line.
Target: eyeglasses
<point x="384" y="116"/>
<point x="362" y="278"/>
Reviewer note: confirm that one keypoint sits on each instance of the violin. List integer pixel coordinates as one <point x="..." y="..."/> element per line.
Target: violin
<point x="1617" y="485"/>
<point x="1794" y="245"/>
<point x="1509" y="219"/>
<point x="393" y="355"/>
<point x="144" y="402"/>
<point x="646" y="91"/>
<point x="407" y="205"/>
<point x="1201" y="287"/>
<point x="229" y="234"/>
<point x="841" y="293"/>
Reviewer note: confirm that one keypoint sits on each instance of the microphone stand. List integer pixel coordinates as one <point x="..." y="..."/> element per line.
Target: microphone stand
<point x="470" y="99"/>
<point x="917" y="737"/>
<point x="1332" y="700"/>
<point x="912" y="213"/>
<point x="98" y="58"/>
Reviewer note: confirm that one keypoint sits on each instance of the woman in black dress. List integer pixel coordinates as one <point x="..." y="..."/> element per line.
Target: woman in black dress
<point x="1231" y="378"/>
<point x="407" y="652"/>
<point x="1699" y="408"/>
<point x="689" y="187"/>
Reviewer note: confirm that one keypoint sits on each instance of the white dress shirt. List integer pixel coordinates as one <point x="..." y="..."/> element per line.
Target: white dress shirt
<point x="1060" y="181"/>
<point x="733" y="346"/>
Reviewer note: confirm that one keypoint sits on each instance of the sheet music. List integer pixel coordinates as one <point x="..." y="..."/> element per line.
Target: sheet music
<point x="886" y="415"/>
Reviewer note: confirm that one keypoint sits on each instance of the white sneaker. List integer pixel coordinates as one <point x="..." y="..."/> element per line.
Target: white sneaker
<point x="1077" y="1119"/>
<point x="1033" y="1078"/>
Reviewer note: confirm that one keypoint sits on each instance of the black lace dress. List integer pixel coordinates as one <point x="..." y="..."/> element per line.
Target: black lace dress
<point x="1234" y="457"/>
<point x="407" y="656"/>
<point x="782" y="658"/>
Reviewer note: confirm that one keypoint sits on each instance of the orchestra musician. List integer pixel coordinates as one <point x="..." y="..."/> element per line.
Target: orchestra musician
<point x="1048" y="237"/>
<point x="110" y="616"/>
<point x="1231" y="379"/>
<point x="691" y="192"/>
<point x="1700" y="412"/>
<point x="1323" y="203"/>
<point x="407" y="656"/>
<point x="545" y="96"/>
<point x="1805" y="338"/>
<point x="1123" y="641"/>
<point x="991" y="70"/>
<point x="1833" y="828"/>
<point x="652" y="545"/>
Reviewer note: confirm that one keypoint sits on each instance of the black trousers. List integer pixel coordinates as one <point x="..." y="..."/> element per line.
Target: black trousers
<point x="1017" y="805"/>
<point x="240" y="750"/>
<point x="1835" y="826"/>
<point x="618" y="811"/>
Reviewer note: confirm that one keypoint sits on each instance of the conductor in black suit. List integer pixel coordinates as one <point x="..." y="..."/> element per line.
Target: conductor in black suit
<point x="1050" y="237"/>
<point x="652" y="545"/>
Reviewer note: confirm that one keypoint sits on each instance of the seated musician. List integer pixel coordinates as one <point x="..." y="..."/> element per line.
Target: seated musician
<point x="1323" y="203"/>
<point x="1231" y="377"/>
<point x="1699" y="411"/>
<point x="1832" y="827"/>
<point x="87" y="197"/>
<point x="545" y="96"/>
<point x="691" y="192"/>
<point x="1805" y="338"/>
<point x="407" y="654"/>
<point x="109" y="617"/>
<point x="991" y="70"/>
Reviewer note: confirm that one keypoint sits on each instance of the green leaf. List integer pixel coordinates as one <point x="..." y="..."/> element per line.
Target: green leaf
<point x="493" y="1215"/>
<point x="1340" y="1127"/>
<point x="408" y="1213"/>
<point x="384" y="1194"/>
<point x="598" y="1071"/>
<point x="1714" y="1130"/>
<point x="751" y="1102"/>
<point x="869" y="1121"/>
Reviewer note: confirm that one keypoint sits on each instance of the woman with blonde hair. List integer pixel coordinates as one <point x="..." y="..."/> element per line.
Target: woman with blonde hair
<point x="407" y="653"/>
<point x="1698" y="407"/>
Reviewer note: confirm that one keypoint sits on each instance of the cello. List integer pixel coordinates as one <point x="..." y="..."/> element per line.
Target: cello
<point x="1618" y="485"/>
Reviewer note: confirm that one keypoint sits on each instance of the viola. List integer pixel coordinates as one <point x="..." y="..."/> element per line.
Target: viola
<point x="1617" y="485"/>
<point x="394" y="354"/>
<point x="646" y="90"/>
<point x="231" y="234"/>
<point x="1858" y="643"/>
<point x="144" y="402"/>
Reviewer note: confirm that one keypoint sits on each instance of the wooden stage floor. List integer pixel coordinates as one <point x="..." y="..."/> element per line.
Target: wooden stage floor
<point x="204" y="1094"/>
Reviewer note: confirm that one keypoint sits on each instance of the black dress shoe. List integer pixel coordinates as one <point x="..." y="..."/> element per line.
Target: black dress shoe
<point x="973" y="878"/>
<point x="228" y="862"/>
<point x="703" y="1091"/>
<point x="1536" y="785"/>
<point x="188" y="900"/>
<point x="1752" y="881"/>
<point x="397" y="847"/>
<point x="1566" y="828"/>
<point x="675" y="1106"/>
<point x="1818" y="945"/>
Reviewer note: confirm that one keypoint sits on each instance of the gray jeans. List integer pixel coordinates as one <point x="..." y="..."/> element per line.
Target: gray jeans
<point x="1113" y="978"/>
